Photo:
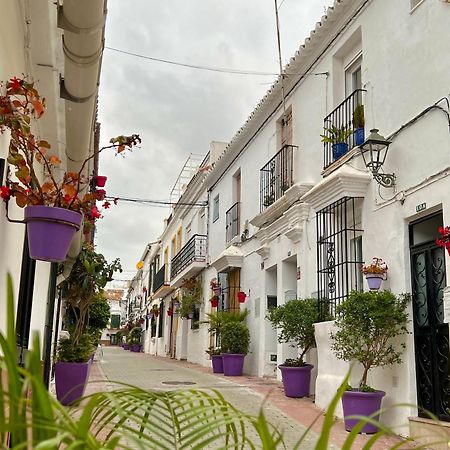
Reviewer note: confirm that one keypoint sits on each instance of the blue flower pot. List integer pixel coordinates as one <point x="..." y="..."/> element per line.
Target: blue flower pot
<point x="358" y="136"/>
<point x="339" y="150"/>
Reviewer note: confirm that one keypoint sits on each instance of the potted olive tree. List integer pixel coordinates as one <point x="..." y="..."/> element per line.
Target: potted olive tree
<point x="295" y="322"/>
<point x="366" y="324"/>
<point x="235" y="341"/>
<point x="134" y="339"/>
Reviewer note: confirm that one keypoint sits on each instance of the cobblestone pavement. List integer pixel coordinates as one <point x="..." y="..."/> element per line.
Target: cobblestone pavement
<point x="292" y="416"/>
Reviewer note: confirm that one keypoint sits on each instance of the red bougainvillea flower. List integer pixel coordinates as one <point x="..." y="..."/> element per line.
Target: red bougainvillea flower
<point x="444" y="241"/>
<point x="95" y="213"/>
<point x="100" y="193"/>
<point x="4" y="193"/>
<point x="106" y="205"/>
<point x="14" y="83"/>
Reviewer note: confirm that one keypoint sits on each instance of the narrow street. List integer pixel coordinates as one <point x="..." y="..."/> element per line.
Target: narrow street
<point x="292" y="416"/>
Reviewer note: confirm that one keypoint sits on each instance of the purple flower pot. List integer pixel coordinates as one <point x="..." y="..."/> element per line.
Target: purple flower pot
<point x="355" y="403"/>
<point x="50" y="231"/>
<point x="374" y="281"/>
<point x="296" y="380"/>
<point x="135" y="348"/>
<point x="217" y="363"/>
<point x="126" y="346"/>
<point x="71" y="379"/>
<point x="233" y="364"/>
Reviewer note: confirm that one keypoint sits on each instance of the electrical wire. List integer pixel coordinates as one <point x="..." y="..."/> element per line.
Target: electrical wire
<point x="154" y="202"/>
<point x="208" y="68"/>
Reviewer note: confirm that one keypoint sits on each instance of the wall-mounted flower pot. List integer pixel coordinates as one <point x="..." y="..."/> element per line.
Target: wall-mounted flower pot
<point x="233" y="364"/>
<point x="70" y="380"/>
<point x="214" y="302"/>
<point x="50" y="231"/>
<point x="217" y="363"/>
<point x="374" y="281"/>
<point x="355" y="403"/>
<point x="100" y="180"/>
<point x="296" y="380"/>
<point x="339" y="150"/>
<point x="241" y="296"/>
<point x="358" y="136"/>
<point x="217" y="290"/>
<point x="190" y="315"/>
<point x="170" y="312"/>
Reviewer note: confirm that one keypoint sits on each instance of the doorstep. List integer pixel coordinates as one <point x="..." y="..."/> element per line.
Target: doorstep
<point x="433" y="433"/>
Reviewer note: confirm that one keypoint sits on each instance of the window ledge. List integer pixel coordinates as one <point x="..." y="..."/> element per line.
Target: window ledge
<point x="340" y="162"/>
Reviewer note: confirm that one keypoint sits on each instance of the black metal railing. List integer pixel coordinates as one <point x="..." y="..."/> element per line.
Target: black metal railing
<point x="232" y="220"/>
<point x="339" y="128"/>
<point x="160" y="278"/>
<point x="193" y="250"/>
<point x="277" y="176"/>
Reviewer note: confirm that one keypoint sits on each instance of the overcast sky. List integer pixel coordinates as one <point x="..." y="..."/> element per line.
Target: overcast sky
<point x="177" y="110"/>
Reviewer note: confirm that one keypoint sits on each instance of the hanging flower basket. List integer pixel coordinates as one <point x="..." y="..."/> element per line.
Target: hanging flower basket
<point x="214" y="302"/>
<point x="100" y="180"/>
<point x="374" y="281"/>
<point x="241" y="296"/>
<point x="50" y="231"/>
<point x="170" y="312"/>
<point x="375" y="273"/>
<point x="190" y="315"/>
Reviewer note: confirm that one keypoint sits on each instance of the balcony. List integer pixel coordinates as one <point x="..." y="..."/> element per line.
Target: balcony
<point x="233" y="217"/>
<point x="161" y="282"/>
<point x="190" y="260"/>
<point x="277" y="176"/>
<point x="343" y="128"/>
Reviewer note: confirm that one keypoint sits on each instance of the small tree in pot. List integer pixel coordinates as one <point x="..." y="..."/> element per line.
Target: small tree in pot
<point x="295" y="322"/>
<point x="367" y="322"/>
<point x="235" y="339"/>
<point x="134" y="339"/>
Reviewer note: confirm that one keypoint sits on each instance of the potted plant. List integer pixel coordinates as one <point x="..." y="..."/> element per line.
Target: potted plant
<point x="235" y="341"/>
<point x="214" y="301"/>
<point x="191" y="297"/>
<point x="375" y="273"/>
<point x="100" y="180"/>
<point x="119" y="338"/>
<point x="215" y="286"/>
<point x="358" y="125"/>
<point x="54" y="203"/>
<point x="337" y="137"/>
<point x="154" y="310"/>
<point x="367" y="323"/>
<point x="72" y="368"/>
<point x="135" y="339"/>
<point x="216" y="358"/>
<point x="295" y="322"/>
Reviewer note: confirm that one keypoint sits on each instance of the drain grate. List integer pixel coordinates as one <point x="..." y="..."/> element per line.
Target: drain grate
<point x="179" y="383"/>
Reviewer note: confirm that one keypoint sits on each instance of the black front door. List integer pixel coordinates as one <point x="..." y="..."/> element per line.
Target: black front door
<point x="431" y="334"/>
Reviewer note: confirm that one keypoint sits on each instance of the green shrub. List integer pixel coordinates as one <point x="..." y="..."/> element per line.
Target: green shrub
<point x="135" y="336"/>
<point x="295" y="321"/>
<point x="367" y="322"/>
<point x="69" y="351"/>
<point x="99" y="313"/>
<point x="235" y="338"/>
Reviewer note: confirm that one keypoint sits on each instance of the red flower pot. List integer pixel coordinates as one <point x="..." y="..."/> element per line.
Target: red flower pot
<point x="214" y="302"/>
<point x="170" y="312"/>
<point x="241" y="296"/>
<point x="100" y="180"/>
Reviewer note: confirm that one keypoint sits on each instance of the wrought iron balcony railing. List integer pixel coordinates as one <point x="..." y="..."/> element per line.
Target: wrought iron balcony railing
<point x="161" y="278"/>
<point x="233" y="221"/>
<point x="277" y="176"/>
<point x="343" y="128"/>
<point x="193" y="250"/>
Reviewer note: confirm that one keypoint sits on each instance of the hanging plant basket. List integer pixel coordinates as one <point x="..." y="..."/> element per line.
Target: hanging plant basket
<point x="100" y="180"/>
<point x="170" y="312"/>
<point x="50" y="231"/>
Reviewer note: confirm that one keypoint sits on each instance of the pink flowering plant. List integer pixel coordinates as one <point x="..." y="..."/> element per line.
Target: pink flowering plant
<point x="444" y="240"/>
<point x="377" y="267"/>
<point x="20" y="105"/>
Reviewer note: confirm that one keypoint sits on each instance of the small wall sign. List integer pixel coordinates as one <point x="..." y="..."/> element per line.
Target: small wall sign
<point x="421" y="207"/>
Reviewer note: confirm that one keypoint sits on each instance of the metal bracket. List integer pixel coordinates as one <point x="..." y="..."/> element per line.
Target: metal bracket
<point x="386" y="180"/>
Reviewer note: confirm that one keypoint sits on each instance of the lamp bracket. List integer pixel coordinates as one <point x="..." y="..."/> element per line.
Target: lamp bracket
<point x="386" y="180"/>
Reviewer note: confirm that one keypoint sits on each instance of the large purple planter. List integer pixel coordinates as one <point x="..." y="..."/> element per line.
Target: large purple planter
<point x="126" y="346"/>
<point x="71" y="379"/>
<point x="50" y="231"/>
<point x="217" y="363"/>
<point x="136" y="348"/>
<point x="374" y="281"/>
<point x="296" y="380"/>
<point x="355" y="403"/>
<point x="233" y="364"/>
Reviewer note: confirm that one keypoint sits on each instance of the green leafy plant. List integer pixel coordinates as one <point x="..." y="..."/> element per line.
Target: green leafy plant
<point x="135" y="335"/>
<point x="335" y="135"/>
<point x="235" y="338"/>
<point x="295" y="321"/>
<point x="367" y="322"/>
<point x="192" y="295"/>
<point x="218" y="319"/>
<point x="358" y="117"/>
<point x="69" y="351"/>
<point x="119" y="337"/>
<point x="99" y="313"/>
<point x="214" y="351"/>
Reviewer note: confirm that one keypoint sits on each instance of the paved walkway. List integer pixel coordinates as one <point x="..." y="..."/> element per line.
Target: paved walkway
<point x="292" y="416"/>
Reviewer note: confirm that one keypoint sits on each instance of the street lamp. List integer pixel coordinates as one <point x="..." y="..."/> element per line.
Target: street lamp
<point x="374" y="151"/>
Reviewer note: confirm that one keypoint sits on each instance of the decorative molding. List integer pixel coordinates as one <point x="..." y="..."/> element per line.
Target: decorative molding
<point x="344" y="182"/>
<point x="230" y="258"/>
<point x="263" y="251"/>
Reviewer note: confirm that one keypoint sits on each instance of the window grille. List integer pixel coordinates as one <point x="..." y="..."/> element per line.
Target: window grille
<point x="339" y="252"/>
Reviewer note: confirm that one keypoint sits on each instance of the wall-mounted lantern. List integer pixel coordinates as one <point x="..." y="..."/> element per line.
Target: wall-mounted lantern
<point x="374" y="151"/>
